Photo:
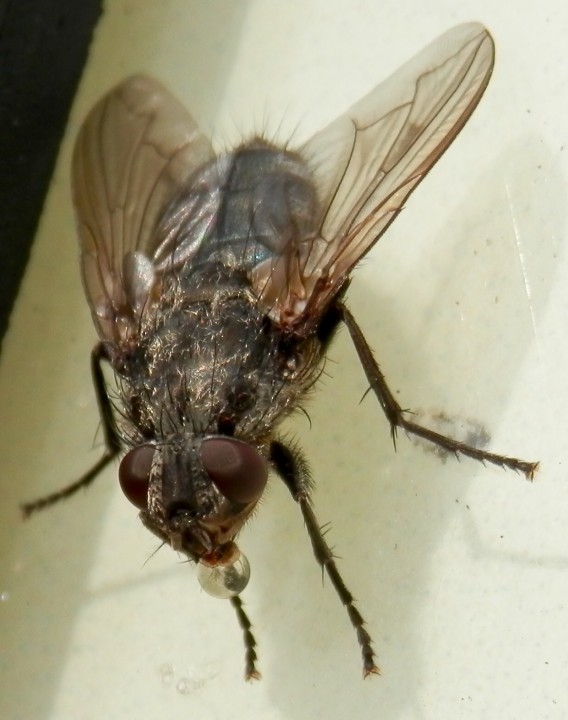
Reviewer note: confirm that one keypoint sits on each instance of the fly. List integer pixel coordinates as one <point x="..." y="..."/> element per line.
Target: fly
<point x="217" y="282"/>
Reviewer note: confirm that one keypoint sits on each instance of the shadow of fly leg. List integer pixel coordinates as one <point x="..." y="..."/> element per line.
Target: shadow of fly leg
<point x="396" y="415"/>
<point x="112" y="442"/>
<point x="293" y="469"/>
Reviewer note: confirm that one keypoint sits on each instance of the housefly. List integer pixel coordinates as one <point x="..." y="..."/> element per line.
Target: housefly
<point x="217" y="282"/>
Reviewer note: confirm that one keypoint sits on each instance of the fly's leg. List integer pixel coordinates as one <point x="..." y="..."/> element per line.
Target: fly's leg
<point x="112" y="442"/>
<point x="395" y="414"/>
<point x="251" y="672"/>
<point x="293" y="470"/>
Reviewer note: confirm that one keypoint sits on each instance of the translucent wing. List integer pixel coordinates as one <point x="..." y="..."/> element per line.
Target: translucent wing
<point x="367" y="162"/>
<point x="135" y="151"/>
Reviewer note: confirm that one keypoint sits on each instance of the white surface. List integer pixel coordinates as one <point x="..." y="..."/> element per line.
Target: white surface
<point x="460" y="570"/>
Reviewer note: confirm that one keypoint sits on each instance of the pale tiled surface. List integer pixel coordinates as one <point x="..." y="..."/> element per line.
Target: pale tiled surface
<point x="461" y="571"/>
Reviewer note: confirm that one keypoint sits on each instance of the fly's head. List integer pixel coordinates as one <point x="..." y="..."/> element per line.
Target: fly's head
<point x="196" y="494"/>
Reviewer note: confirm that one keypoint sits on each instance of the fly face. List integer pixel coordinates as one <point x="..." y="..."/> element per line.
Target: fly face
<point x="195" y="494"/>
<point x="216" y="284"/>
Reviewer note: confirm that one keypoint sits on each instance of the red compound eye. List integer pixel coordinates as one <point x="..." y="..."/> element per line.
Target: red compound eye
<point x="134" y="475"/>
<point x="238" y="470"/>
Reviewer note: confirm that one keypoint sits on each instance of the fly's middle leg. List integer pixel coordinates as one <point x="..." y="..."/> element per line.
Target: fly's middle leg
<point x="396" y="415"/>
<point x="112" y="442"/>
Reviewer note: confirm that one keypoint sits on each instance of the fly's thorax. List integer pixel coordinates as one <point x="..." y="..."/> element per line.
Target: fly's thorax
<point x="217" y="365"/>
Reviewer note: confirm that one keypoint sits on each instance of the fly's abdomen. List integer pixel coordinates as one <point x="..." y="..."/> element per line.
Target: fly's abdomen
<point x="240" y="210"/>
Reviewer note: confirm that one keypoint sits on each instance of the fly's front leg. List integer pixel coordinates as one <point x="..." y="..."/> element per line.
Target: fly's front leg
<point x="112" y="442"/>
<point x="251" y="671"/>
<point x="397" y="419"/>
<point x="293" y="469"/>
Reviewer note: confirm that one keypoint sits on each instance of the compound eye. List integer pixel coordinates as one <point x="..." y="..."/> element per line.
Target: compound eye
<point x="134" y="475"/>
<point x="238" y="470"/>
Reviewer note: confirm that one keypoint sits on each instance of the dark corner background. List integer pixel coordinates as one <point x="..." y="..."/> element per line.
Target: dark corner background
<point x="43" y="47"/>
